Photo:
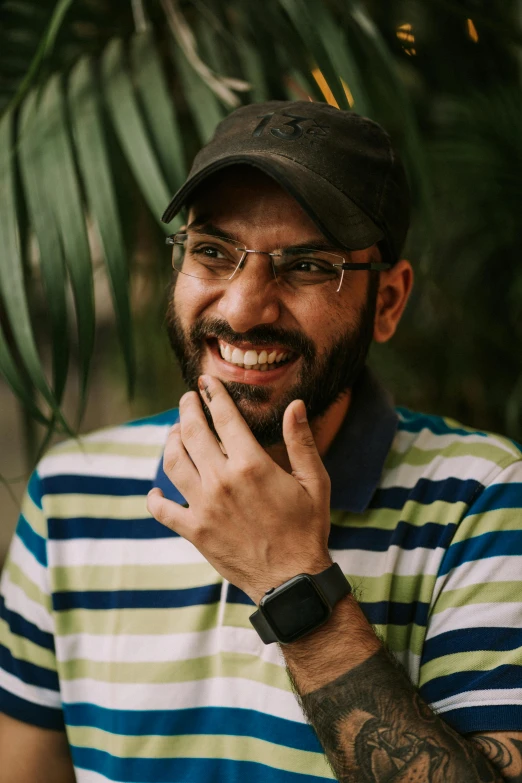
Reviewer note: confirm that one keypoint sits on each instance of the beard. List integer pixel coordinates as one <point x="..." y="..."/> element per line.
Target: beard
<point x="321" y="381"/>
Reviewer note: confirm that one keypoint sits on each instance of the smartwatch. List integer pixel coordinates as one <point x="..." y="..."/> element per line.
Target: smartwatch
<point x="299" y="605"/>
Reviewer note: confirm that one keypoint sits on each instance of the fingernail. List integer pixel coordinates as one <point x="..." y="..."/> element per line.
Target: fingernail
<point x="300" y="413"/>
<point x="203" y="382"/>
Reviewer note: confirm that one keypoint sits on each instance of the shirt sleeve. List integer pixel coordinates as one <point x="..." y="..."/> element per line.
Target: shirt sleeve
<point x="471" y="665"/>
<point x="29" y="687"/>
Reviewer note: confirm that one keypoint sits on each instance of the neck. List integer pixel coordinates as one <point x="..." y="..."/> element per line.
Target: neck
<point x="324" y="430"/>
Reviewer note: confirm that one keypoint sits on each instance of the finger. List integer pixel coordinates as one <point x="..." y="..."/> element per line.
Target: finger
<point x="307" y="465"/>
<point x="178" y="466"/>
<point x="169" y="513"/>
<point x="231" y="427"/>
<point x="198" y="439"/>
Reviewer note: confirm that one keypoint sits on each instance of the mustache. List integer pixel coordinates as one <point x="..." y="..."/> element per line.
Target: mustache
<point x="260" y="335"/>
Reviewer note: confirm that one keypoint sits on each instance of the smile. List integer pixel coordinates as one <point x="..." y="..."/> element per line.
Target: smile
<point x="251" y="359"/>
<point x="248" y="363"/>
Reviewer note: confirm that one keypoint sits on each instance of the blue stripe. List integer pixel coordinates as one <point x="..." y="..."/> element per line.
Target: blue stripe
<point x="22" y="627"/>
<point x="470" y="640"/>
<point x="34" y="489"/>
<point x="430" y="535"/>
<point x="415" y="422"/>
<point x="62" y="484"/>
<point x="26" y="711"/>
<point x="28" y="672"/>
<point x="499" y="496"/>
<point x="505" y="676"/>
<point x="237" y="596"/>
<point x="31" y="540"/>
<point x="90" y="527"/>
<point x="485" y="717"/>
<point x="136" y="599"/>
<point x="159" y="419"/>
<point x="395" y="612"/>
<point x="501" y="542"/>
<point x="451" y="490"/>
<point x="199" y="720"/>
<point x="183" y="770"/>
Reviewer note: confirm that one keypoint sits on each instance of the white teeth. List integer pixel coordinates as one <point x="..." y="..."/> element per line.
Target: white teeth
<point x="250" y="359"/>
<point x="237" y="356"/>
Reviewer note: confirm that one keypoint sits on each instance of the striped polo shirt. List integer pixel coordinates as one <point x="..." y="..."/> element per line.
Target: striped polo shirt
<point x="118" y="630"/>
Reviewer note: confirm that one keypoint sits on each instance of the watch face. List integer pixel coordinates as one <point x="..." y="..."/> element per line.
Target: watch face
<point x="296" y="609"/>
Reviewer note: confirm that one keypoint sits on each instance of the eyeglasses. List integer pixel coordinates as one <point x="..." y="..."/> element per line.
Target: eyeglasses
<point x="209" y="257"/>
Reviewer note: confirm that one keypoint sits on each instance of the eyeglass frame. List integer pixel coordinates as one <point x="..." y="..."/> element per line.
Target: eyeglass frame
<point x="372" y="266"/>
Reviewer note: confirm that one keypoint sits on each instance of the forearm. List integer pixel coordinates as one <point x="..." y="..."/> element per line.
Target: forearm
<point x="371" y="722"/>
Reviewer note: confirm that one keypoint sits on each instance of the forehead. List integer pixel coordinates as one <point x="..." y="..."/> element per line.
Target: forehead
<point x="242" y="199"/>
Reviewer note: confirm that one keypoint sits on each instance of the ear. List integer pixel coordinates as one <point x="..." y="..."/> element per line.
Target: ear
<point x="394" y="290"/>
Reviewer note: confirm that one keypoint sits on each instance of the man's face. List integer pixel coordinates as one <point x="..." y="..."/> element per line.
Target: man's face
<point x="325" y="335"/>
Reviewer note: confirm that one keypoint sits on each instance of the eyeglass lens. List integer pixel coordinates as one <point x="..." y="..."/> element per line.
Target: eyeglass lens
<point x="211" y="258"/>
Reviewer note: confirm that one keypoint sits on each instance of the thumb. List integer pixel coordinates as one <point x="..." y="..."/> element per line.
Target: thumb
<point x="307" y="466"/>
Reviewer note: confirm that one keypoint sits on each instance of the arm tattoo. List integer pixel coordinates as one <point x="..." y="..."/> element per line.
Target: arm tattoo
<point x="505" y="754"/>
<point x="375" y="728"/>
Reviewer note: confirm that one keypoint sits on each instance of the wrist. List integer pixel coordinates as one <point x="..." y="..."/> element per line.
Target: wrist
<point x="310" y="566"/>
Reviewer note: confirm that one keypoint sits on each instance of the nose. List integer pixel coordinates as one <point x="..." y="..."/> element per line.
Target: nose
<point x="251" y="297"/>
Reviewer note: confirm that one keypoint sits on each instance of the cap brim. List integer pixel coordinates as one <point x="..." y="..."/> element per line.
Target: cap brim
<point x="336" y="215"/>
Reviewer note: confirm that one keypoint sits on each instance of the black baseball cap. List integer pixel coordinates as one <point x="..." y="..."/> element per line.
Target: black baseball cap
<point x="342" y="169"/>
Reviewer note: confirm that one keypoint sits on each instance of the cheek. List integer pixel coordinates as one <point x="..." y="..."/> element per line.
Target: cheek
<point x="191" y="296"/>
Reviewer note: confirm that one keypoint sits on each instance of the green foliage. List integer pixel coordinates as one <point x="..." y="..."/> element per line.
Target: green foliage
<point x="104" y="105"/>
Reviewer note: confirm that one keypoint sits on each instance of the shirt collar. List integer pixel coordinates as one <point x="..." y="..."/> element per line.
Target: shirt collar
<point x="356" y="457"/>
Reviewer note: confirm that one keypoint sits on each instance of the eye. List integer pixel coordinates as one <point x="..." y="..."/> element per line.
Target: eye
<point x="209" y="251"/>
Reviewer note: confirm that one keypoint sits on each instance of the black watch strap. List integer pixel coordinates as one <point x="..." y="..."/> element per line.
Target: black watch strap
<point x="331" y="582"/>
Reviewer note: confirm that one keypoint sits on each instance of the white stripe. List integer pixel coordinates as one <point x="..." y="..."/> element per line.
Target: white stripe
<point x="490" y="615"/>
<point x="149" y="648"/>
<point x="439" y="469"/>
<point x="29" y="565"/>
<point x="484" y="698"/>
<point x="411" y="663"/>
<point x="425" y="440"/>
<point x="214" y="692"/>
<point x="31" y="693"/>
<point x="401" y="562"/>
<point x="17" y="601"/>
<point x="503" y="568"/>
<point x="88" y="776"/>
<point x="122" y="551"/>
<point x="150" y="434"/>
<point x="104" y="465"/>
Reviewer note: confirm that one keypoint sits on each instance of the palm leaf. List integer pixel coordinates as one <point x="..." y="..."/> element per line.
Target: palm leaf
<point x="13" y="287"/>
<point x="32" y="150"/>
<point x="131" y="131"/>
<point x="62" y="180"/>
<point x="101" y="198"/>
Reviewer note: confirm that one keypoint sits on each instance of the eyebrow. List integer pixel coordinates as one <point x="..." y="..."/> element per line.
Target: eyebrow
<point x="204" y="226"/>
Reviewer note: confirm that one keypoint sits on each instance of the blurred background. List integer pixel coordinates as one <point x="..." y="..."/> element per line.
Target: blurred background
<point x="103" y="104"/>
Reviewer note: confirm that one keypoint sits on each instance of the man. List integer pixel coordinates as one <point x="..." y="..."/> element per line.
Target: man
<point x="285" y="471"/>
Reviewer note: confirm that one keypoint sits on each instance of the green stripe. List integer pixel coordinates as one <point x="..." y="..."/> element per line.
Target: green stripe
<point x="417" y="514"/>
<point x="30" y="589"/>
<point x="187" y="619"/>
<point x="417" y="457"/>
<point x="25" y="650"/>
<point x="130" y="577"/>
<point x="217" y="746"/>
<point x="476" y="660"/>
<point x="391" y="587"/>
<point x="484" y="592"/>
<point x="222" y="664"/>
<point x="97" y="506"/>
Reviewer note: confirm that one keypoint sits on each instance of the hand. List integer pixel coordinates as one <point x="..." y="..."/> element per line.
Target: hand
<point x="255" y="523"/>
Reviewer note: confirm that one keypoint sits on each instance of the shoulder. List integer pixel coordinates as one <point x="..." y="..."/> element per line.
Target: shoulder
<point x="439" y="448"/>
<point x="129" y="450"/>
